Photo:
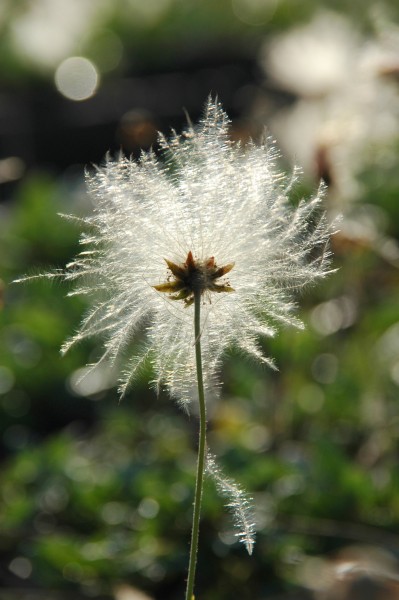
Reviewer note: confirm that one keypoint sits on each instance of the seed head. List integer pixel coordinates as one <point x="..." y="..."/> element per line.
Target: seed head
<point x="194" y="276"/>
<point x="219" y="216"/>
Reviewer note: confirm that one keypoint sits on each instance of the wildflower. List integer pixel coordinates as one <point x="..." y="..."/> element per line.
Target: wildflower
<point x="211" y="215"/>
<point x="200" y="252"/>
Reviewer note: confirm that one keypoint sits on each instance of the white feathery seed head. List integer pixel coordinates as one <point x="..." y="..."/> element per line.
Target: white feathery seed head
<point x="211" y="214"/>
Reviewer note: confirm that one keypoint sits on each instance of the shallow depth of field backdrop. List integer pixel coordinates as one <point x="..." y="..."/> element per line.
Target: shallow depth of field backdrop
<point x="96" y="495"/>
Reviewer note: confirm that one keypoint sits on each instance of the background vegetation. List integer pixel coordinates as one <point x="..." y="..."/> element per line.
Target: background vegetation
<point x="96" y="495"/>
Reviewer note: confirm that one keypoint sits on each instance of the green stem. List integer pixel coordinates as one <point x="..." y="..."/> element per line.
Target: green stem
<point x="201" y="449"/>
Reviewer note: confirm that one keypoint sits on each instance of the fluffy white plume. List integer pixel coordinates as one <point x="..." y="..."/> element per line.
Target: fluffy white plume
<point x="239" y="503"/>
<point x="215" y="199"/>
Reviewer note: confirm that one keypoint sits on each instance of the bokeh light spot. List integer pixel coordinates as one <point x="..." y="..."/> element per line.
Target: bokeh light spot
<point x="333" y="315"/>
<point x="11" y="168"/>
<point x="88" y="382"/>
<point x="77" y="78"/>
<point x="311" y="398"/>
<point x="21" y="567"/>
<point x="113" y="513"/>
<point x="107" y="51"/>
<point x="325" y="368"/>
<point x="7" y="379"/>
<point x="137" y="129"/>
<point x="16" y="404"/>
<point x="148" y="508"/>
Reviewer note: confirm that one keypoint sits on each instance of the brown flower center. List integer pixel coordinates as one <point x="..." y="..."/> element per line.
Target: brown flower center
<point x="194" y="276"/>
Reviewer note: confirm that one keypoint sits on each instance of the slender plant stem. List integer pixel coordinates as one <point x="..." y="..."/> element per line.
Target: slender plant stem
<point x="201" y="450"/>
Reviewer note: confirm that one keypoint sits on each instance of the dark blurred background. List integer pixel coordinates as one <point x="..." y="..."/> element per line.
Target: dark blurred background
<point x="96" y="495"/>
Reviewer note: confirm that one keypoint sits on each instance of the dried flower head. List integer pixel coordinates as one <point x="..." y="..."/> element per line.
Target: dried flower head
<point x="194" y="275"/>
<point x="212" y="217"/>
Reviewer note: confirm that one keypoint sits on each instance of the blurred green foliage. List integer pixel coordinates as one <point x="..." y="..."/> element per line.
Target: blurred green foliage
<point x="94" y="493"/>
